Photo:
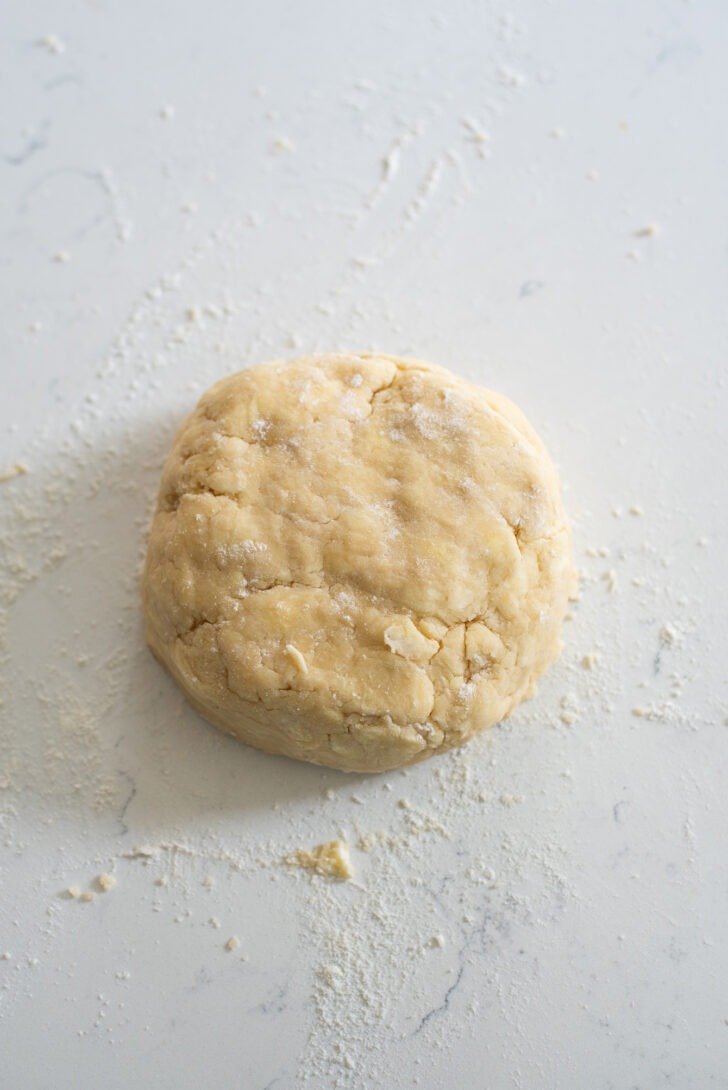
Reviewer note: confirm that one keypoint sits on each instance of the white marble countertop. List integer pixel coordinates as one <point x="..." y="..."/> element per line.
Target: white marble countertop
<point x="534" y="195"/>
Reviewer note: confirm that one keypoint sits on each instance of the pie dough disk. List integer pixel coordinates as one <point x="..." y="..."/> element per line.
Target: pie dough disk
<point x="356" y="560"/>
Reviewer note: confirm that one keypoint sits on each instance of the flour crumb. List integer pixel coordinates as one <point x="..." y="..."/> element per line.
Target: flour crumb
<point x="475" y="132"/>
<point x="88" y="895"/>
<point x="214" y="922"/>
<point x="610" y="578"/>
<point x="589" y="661"/>
<point x="657" y="713"/>
<point x="390" y="163"/>
<point x="437" y="942"/>
<point x="636" y="510"/>
<point x="569" y="709"/>
<point x="106" y="882"/>
<point x="167" y="113"/>
<point x="368" y="841"/>
<point x="649" y="231"/>
<point x="510" y="77"/>
<point x="9" y="474"/>
<point x="52" y="44"/>
<point x="143" y="852"/>
<point x="668" y="635"/>
<point x="330" y="859"/>
<point x="73" y="892"/>
<point x="282" y="145"/>
<point x="233" y="943"/>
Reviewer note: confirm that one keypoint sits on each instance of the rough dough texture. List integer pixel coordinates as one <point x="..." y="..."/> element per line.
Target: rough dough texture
<point x="356" y="560"/>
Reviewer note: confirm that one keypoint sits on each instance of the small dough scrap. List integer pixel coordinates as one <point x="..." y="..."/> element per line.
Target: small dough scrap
<point x="356" y="560"/>
<point x="331" y="859"/>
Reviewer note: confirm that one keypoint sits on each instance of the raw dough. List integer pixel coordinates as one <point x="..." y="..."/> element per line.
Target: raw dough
<point x="356" y="560"/>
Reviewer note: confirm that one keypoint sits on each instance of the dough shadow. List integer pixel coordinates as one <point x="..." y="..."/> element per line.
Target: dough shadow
<point x="96" y="730"/>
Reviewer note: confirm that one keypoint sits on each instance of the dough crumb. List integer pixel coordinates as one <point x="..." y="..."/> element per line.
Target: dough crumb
<point x="589" y="661"/>
<point x="649" y="231"/>
<point x="74" y="892"/>
<point x="233" y="943"/>
<point x="88" y="895"/>
<point x="330" y="859"/>
<point x="106" y="882"/>
<point x="9" y="474"/>
<point x="437" y="942"/>
<point x="635" y="509"/>
<point x="369" y="840"/>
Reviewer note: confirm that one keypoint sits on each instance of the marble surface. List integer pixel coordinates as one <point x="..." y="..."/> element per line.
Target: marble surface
<point x="534" y="195"/>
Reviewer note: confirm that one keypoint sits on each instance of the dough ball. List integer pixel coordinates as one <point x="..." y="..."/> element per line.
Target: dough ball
<point x="356" y="560"/>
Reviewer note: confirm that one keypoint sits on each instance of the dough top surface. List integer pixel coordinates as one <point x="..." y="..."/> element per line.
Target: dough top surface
<point x="356" y="559"/>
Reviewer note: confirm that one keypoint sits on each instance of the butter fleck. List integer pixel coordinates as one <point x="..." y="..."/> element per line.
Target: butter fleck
<point x="296" y="658"/>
